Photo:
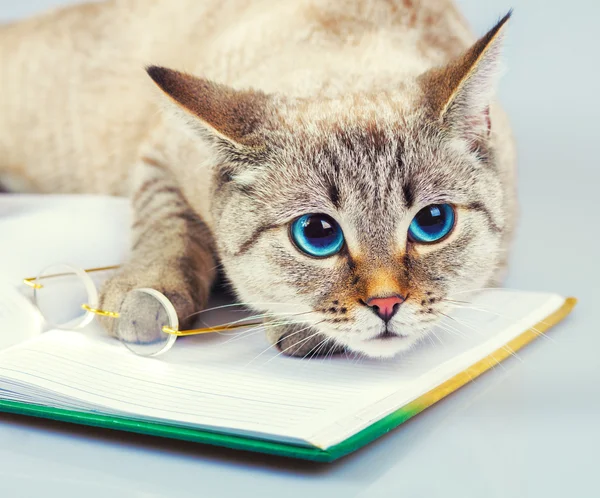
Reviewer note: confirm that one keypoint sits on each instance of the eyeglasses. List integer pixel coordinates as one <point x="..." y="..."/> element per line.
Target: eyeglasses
<point x="67" y="298"/>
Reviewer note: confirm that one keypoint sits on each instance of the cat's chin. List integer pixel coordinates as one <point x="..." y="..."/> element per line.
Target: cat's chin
<point x="382" y="348"/>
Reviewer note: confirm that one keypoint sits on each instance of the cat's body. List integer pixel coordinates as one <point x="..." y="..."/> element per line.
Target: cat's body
<point x="78" y="113"/>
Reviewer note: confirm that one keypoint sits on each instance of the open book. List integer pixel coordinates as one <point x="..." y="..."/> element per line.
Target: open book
<point x="229" y="390"/>
<point x="234" y="390"/>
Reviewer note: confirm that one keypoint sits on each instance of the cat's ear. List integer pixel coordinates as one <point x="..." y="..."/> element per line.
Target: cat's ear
<point x="460" y="93"/>
<point x="217" y="111"/>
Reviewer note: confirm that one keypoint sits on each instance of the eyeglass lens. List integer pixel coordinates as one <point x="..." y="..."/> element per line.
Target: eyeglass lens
<point x="143" y="315"/>
<point x="59" y="293"/>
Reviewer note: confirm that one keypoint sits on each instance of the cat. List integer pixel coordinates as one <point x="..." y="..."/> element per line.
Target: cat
<point x="344" y="162"/>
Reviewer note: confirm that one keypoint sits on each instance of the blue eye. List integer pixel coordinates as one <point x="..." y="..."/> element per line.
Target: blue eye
<point x="317" y="235"/>
<point x="432" y="223"/>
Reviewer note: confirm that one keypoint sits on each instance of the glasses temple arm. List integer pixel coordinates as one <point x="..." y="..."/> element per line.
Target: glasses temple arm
<point x="208" y="330"/>
<point x="29" y="281"/>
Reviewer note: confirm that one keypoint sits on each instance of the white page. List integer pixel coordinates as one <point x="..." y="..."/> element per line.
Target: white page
<point x="39" y="231"/>
<point x="19" y="319"/>
<point x="431" y="366"/>
<point x="239" y="384"/>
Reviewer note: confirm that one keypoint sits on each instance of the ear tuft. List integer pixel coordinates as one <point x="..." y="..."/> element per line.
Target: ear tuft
<point x="159" y="75"/>
<point x="233" y="115"/>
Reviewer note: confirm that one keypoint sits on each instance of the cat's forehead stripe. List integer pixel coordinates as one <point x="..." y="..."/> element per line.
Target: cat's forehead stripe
<point x="334" y="195"/>
<point x="408" y="191"/>
<point x="363" y="159"/>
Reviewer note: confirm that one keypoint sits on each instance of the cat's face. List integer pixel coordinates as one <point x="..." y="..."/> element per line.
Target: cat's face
<point x="361" y="217"/>
<point x="364" y="181"/>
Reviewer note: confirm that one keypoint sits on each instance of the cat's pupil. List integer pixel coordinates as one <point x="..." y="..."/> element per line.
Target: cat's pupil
<point x="319" y="231"/>
<point x="431" y="219"/>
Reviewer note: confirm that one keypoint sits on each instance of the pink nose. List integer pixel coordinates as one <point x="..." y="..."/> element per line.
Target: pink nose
<point x="385" y="307"/>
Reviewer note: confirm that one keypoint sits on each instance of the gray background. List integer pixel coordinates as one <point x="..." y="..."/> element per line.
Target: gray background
<point x="529" y="428"/>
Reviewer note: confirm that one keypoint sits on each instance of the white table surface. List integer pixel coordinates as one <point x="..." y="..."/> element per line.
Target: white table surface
<point x="529" y="428"/>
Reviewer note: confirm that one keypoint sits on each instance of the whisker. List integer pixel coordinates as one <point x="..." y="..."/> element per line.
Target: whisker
<point x="492" y="357"/>
<point x="449" y="318"/>
<point x="452" y="330"/>
<point x="274" y="345"/>
<point x="234" y="324"/>
<point x="330" y="354"/>
<point x="359" y="357"/>
<point x="217" y="266"/>
<point x="455" y="301"/>
<point x="259" y="328"/>
<point x="535" y="330"/>
<point x="302" y="341"/>
<point x="244" y="335"/>
<point x="437" y="337"/>
<point x="431" y="340"/>
<point x="505" y="289"/>
<point x="506" y="317"/>
<point x="249" y="305"/>
<point x="506" y="348"/>
<point x="317" y="348"/>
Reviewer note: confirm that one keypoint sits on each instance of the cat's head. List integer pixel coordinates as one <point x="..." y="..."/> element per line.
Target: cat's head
<point x="362" y="216"/>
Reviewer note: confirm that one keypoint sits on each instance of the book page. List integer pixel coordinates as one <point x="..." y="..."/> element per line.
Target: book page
<point x="205" y="385"/>
<point x="84" y="231"/>
<point x="238" y="383"/>
<point x="19" y="319"/>
<point x="470" y="335"/>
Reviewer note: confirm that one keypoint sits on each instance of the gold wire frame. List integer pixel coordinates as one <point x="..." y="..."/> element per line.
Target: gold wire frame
<point x="31" y="282"/>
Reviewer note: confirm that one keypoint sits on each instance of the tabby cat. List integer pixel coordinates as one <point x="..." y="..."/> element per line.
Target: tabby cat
<point x="344" y="161"/>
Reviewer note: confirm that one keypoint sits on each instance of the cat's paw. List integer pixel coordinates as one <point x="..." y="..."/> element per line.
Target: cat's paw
<point x="167" y="279"/>
<point x="301" y="340"/>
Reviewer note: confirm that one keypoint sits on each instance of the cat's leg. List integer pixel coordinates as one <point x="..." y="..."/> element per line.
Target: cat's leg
<point x="301" y="340"/>
<point x="172" y="248"/>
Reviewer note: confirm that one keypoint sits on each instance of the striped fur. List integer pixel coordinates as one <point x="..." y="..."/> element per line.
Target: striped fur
<point x="172" y="248"/>
<point x="366" y="110"/>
